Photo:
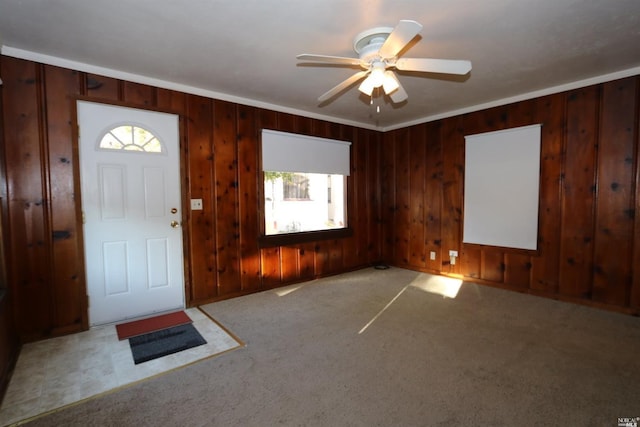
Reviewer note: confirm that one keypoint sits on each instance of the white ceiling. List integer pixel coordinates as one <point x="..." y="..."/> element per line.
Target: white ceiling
<point x="245" y="51"/>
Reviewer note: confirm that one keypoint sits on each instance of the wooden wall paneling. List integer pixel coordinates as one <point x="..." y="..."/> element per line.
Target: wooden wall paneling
<point x="517" y="270"/>
<point x="492" y="264"/>
<point x="545" y="267"/>
<point x="170" y="100"/>
<point x="452" y="187"/>
<point x="139" y="94"/>
<point x="306" y="261"/>
<point x="270" y="267"/>
<point x="433" y="195"/>
<point x="363" y="209"/>
<point x="337" y="255"/>
<point x="471" y="261"/>
<point x="523" y="113"/>
<point x="374" y="205"/>
<point x="304" y="125"/>
<point x="290" y="270"/>
<point x="202" y="225"/>
<point x="104" y="88"/>
<point x="577" y="217"/>
<point x="417" y="171"/>
<point x="287" y="123"/>
<point x="248" y="203"/>
<point x="27" y="234"/>
<point x="403" y="197"/>
<point x="321" y="258"/>
<point x="635" y="285"/>
<point x="9" y="344"/>
<point x="387" y="196"/>
<point x="225" y="149"/>
<point x="349" y="248"/>
<point x="614" y="204"/>
<point x="69" y="289"/>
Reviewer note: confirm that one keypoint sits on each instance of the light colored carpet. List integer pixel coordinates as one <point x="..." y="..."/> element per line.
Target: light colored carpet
<point x="374" y="348"/>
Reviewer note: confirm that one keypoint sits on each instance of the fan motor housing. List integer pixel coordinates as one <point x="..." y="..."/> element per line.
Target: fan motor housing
<point x="368" y="43"/>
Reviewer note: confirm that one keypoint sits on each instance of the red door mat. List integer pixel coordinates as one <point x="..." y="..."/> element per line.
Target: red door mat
<point x="152" y="324"/>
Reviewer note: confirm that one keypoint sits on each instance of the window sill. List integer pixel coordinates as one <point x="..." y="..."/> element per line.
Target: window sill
<point x="304" y="237"/>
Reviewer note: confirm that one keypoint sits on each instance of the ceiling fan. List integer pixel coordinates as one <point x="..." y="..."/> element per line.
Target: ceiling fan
<point x="378" y="50"/>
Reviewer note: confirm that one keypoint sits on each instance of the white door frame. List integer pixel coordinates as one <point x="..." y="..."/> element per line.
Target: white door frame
<point x="182" y="206"/>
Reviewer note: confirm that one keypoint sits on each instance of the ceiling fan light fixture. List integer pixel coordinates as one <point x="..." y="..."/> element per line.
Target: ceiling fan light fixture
<point x="390" y="83"/>
<point x="367" y="86"/>
<point x="377" y="74"/>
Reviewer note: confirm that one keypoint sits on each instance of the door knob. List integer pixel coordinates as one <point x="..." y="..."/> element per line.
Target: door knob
<point x="175" y="224"/>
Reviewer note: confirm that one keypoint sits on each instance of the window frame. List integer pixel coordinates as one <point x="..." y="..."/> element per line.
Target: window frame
<point x="132" y="124"/>
<point x="296" y="238"/>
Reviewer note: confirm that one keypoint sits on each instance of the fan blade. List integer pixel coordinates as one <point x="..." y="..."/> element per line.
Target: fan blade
<point x="329" y="59"/>
<point x="340" y="87"/>
<point x="428" y="65"/>
<point x="398" y="95"/>
<point x="401" y="35"/>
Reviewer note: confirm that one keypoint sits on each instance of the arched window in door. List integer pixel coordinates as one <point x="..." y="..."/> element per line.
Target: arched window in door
<point x="131" y="138"/>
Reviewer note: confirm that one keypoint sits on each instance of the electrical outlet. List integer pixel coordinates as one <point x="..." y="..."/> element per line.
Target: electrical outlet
<point x="196" y="204"/>
<point x="432" y="255"/>
<point x="453" y="254"/>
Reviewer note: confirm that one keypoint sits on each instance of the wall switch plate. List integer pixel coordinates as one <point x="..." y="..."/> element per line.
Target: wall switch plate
<point x="432" y="255"/>
<point x="453" y="254"/>
<point x="196" y="204"/>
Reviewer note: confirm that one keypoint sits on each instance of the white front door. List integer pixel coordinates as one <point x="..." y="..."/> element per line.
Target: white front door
<point x="130" y="178"/>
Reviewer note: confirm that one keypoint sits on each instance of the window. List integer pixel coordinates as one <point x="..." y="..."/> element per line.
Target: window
<point x="130" y="138"/>
<point x="304" y="183"/>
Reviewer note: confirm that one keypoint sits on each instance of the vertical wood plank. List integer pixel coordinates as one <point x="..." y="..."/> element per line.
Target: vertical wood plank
<point x="248" y="174"/>
<point x="416" y="226"/>
<point x="66" y="254"/>
<point x="546" y="267"/>
<point x="517" y="272"/>
<point x="350" y="250"/>
<point x="402" y="214"/>
<point x="492" y="265"/>
<point x="576" y="245"/>
<point x="635" y="285"/>
<point x="374" y="204"/>
<point x="388" y="196"/>
<point x="614" y="203"/>
<point x="136" y="93"/>
<point x="171" y="100"/>
<point x="28" y="256"/>
<point x="433" y="195"/>
<point x="452" y="185"/>
<point x="101" y="87"/>
<point x="225" y="150"/>
<point x="364" y="207"/>
<point x="290" y="271"/>
<point x="203" y="263"/>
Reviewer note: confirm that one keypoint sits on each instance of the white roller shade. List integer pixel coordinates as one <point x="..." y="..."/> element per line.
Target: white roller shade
<point x="501" y="188"/>
<point x="287" y="152"/>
